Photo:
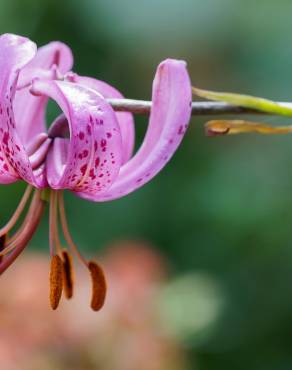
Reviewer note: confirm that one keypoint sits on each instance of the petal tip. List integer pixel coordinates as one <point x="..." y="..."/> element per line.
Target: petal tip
<point x="173" y="62"/>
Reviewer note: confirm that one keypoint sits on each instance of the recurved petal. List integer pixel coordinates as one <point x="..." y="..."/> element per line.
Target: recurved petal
<point x="15" y="53"/>
<point x="54" y="53"/>
<point x="125" y="119"/>
<point x="30" y="110"/>
<point x="90" y="158"/>
<point x="169" y="119"/>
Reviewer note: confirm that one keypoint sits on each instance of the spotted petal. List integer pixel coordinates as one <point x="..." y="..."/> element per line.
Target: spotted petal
<point x="170" y="115"/>
<point x="125" y="119"/>
<point x="90" y="159"/>
<point x="30" y="110"/>
<point x="16" y="52"/>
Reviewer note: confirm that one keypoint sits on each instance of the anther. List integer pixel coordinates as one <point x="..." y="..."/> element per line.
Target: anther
<point x="98" y="286"/>
<point x="68" y="278"/>
<point x="56" y="281"/>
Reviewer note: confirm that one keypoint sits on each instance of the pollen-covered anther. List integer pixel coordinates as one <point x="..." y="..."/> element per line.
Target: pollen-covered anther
<point x="68" y="276"/>
<point x="98" y="286"/>
<point x="56" y="281"/>
<point x="231" y="127"/>
<point x="217" y="128"/>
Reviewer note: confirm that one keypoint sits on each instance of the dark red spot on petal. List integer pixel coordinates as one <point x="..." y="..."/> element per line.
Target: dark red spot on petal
<point x="97" y="161"/>
<point x="180" y="130"/>
<point x="83" y="169"/>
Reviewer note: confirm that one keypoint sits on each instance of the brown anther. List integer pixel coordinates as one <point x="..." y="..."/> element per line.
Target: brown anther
<point x="98" y="286"/>
<point x="217" y="128"/>
<point x="68" y="280"/>
<point x="2" y="245"/>
<point x="56" y="281"/>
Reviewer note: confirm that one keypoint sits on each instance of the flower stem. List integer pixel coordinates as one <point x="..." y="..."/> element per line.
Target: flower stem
<point x="204" y="108"/>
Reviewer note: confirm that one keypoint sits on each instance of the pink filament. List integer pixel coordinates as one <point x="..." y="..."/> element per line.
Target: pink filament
<point x="29" y="227"/>
<point x="17" y="213"/>
<point x="53" y="225"/>
<point x="65" y="229"/>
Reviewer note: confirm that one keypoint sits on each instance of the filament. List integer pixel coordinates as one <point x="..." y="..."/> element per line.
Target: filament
<point x="26" y="224"/>
<point x="53" y="224"/>
<point x="66" y="231"/>
<point x="17" y="212"/>
<point x="30" y="224"/>
<point x="2" y="245"/>
<point x="56" y="228"/>
<point x="68" y="279"/>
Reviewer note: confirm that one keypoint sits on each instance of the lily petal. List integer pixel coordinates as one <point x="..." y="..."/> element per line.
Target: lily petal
<point x="30" y="110"/>
<point x="169" y="119"/>
<point x="7" y="174"/>
<point x="16" y="52"/>
<point x="125" y="119"/>
<point x="90" y="160"/>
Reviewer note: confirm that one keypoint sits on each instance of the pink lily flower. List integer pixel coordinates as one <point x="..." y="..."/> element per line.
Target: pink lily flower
<point x="87" y="149"/>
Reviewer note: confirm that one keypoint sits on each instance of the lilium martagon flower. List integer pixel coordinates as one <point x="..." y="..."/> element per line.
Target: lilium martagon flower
<point x="87" y="149"/>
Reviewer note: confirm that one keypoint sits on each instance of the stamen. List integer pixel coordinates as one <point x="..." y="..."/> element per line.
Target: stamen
<point x="68" y="280"/>
<point x="53" y="224"/>
<point x="56" y="281"/>
<point x="8" y="248"/>
<point x="229" y="127"/>
<point x="96" y="272"/>
<point x="98" y="286"/>
<point x="2" y="245"/>
<point x="28" y="228"/>
<point x="56" y="228"/>
<point x="65" y="229"/>
<point x="17" y="213"/>
<point x="33" y="208"/>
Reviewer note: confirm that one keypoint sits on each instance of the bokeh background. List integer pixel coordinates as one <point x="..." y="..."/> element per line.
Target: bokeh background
<point x="219" y="215"/>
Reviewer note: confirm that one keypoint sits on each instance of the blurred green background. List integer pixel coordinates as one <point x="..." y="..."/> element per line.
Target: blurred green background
<point x="222" y="207"/>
